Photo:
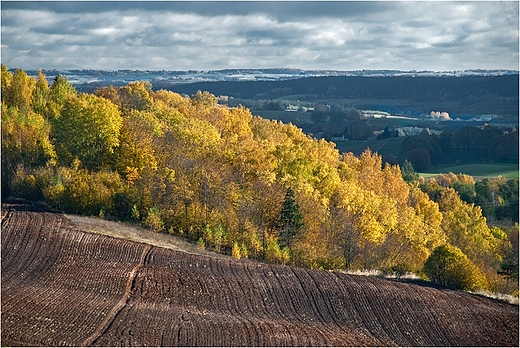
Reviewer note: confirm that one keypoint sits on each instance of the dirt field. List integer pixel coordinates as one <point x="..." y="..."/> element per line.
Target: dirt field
<point x="62" y="286"/>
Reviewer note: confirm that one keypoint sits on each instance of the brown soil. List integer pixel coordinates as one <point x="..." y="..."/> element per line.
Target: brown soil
<point x="62" y="286"/>
<point x="138" y="234"/>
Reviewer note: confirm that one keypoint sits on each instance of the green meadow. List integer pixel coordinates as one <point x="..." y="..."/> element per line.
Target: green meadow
<point x="478" y="170"/>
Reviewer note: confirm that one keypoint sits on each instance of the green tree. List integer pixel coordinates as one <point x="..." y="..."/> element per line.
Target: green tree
<point x="420" y="158"/>
<point x="508" y="192"/>
<point x="509" y="265"/>
<point x="408" y="172"/>
<point x="466" y="191"/>
<point x="422" y="150"/>
<point x="291" y="220"/>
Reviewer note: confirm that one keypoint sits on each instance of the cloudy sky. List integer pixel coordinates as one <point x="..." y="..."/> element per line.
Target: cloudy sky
<point x="438" y="35"/>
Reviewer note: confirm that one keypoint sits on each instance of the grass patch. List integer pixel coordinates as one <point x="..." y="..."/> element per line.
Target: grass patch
<point x="485" y="170"/>
<point x="428" y="175"/>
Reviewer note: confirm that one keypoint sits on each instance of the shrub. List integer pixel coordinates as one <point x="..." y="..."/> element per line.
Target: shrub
<point x="235" y="251"/>
<point x="255" y="245"/>
<point x="448" y="265"/>
<point x="154" y="220"/>
<point x="276" y="254"/>
<point x="201" y="244"/>
<point x="135" y="212"/>
<point x="79" y="191"/>
<point x="285" y="255"/>
<point x="24" y="186"/>
<point x="243" y="251"/>
<point x="124" y="205"/>
<point x="215" y="237"/>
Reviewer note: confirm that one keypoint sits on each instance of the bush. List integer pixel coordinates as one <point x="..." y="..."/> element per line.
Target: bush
<point x="243" y="251"/>
<point x="276" y="254"/>
<point x="235" y="251"/>
<point x="77" y="191"/>
<point x="255" y="245"/>
<point x="201" y="244"/>
<point x="154" y="220"/>
<point x="24" y="186"/>
<point x="448" y="265"/>
<point x="215" y="237"/>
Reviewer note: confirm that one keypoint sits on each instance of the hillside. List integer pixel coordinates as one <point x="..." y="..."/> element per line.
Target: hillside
<point x="63" y="286"/>
<point x="475" y="95"/>
<point x="243" y="185"/>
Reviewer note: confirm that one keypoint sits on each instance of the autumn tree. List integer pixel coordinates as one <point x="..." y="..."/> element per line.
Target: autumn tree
<point x="364" y="220"/>
<point x="137" y="145"/>
<point x="136" y="96"/>
<point x="221" y="176"/>
<point x="25" y="133"/>
<point x="417" y="233"/>
<point x="20" y="91"/>
<point x="40" y="95"/>
<point x="448" y="265"/>
<point x="87" y="129"/>
<point x="467" y="229"/>
<point x="204" y="100"/>
<point x="7" y="77"/>
<point x="59" y="91"/>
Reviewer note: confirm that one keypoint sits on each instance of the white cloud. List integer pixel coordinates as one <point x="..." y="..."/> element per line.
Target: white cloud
<point x="343" y="35"/>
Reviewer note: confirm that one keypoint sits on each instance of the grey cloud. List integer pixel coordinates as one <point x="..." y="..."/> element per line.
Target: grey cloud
<point x="275" y="36"/>
<point x="213" y="35"/>
<point x="279" y="9"/>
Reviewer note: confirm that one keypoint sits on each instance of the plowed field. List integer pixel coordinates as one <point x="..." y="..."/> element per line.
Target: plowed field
<point x="66" y="287"/>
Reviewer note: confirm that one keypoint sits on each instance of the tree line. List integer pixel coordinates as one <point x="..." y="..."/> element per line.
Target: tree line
<point x="465" y="95"/>
<point x="234" y="182"/>
<point x="493" y="143"/>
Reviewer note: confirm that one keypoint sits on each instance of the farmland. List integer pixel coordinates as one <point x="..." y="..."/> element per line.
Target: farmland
<point x="63" y="286"/>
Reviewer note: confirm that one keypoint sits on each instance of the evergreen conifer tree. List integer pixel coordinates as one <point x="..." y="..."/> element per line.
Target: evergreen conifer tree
<point x="291" y="220"/>
<point x="408" y="172"/>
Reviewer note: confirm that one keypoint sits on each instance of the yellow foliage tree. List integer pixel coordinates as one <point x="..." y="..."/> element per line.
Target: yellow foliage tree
<point x="88" y="129"/>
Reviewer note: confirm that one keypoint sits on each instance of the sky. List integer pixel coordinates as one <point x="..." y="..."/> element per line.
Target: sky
<point x="310" y="35"/>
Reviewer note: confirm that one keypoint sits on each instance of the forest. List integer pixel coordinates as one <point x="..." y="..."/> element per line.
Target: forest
<point x="461" y="95"/>
<point x="243" y="185"/>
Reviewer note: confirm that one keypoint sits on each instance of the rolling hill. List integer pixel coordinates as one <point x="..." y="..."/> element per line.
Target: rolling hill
<point x="62" y="286"/>
<point x="469" y="95"/>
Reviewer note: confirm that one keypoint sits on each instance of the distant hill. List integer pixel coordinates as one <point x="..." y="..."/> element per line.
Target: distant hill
<point x="471" y="92"/>
<point x="468" y="94"/>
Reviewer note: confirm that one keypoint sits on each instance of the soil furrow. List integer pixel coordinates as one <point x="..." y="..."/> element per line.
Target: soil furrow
<point x="88" y="289"/>
<point x="103" y="326"/>
<point x="358" y="297"/>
